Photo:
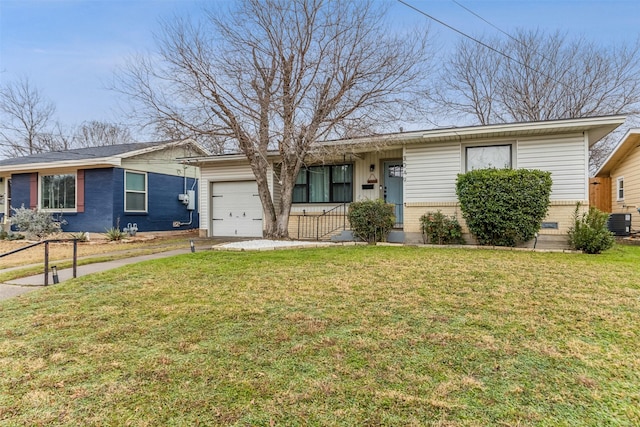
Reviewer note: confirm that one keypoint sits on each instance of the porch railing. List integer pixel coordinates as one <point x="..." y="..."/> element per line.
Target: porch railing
<point x="318" y="226"/>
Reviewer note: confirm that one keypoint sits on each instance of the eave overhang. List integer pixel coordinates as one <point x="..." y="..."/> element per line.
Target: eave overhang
<point x="629" y="142"/>
<point x="104" y="162"/>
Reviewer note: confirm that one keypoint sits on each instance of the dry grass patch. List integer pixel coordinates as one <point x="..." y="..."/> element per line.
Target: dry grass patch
<point x="338" y="336"/>
<point x="99" y="246"/>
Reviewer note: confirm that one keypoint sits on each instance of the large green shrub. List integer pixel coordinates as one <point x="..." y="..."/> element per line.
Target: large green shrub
<point x="504" y="207"/>
<point x="589" y="232"/>
<point x="371" y="220"/>
<point x="440" y="229"/>
<point x="34" y="223"/>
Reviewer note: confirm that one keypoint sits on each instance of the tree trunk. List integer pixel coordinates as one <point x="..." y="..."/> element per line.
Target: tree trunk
<point x="276" y="218"/>
<point x="260" y="168"/>
<point x="286" y="199"/>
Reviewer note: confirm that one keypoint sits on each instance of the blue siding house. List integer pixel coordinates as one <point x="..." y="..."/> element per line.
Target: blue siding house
<point x="94" y="189"/>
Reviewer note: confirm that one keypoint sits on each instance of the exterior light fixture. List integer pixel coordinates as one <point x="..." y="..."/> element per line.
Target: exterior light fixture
<point x="54" y="272"/>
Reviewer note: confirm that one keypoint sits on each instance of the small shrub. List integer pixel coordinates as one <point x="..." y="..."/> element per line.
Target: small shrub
<point x="10" y="235"/>
<point x="589" y="232"/>
<point x="371" y="220"/>
<point x="80" y="237"/>
<point x="440" y="229"/>
<point x="35" y="223"/>
<point x="504" y="207"/>
<point x="114" y="234"/>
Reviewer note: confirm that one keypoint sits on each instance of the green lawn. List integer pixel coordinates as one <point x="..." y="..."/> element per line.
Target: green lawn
<point x="340" y="336"/>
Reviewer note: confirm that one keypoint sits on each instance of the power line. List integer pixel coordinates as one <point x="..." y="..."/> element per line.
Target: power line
<point x="454" y="29"/>
<point x="486" y="21"/>
<point x="515" y="39"/>
<point x="480" y="42"/>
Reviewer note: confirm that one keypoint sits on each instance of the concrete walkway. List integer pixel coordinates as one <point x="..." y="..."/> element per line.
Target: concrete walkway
<point x="23" y="285"/>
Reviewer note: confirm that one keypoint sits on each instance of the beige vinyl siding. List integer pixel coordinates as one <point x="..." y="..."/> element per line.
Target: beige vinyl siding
<point x="162" y="161"/>
<point x="361" y="173"/>
<point x="567" y="160"/>
<point x="629" y="168"/>
<point x="431" y="172"/>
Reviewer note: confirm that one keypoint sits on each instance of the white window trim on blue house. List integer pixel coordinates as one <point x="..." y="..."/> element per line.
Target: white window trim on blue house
<point x="134" y="191"/>
<point x="59" y="208"/>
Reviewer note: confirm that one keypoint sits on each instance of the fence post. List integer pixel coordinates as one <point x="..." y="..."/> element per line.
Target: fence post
<point x="75" y="258"/>
<point x="46" y="263"/>
<point x="344" y="216"/>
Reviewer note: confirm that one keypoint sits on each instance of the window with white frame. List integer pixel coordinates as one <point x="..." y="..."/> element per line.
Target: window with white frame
<point x="135" y="191"/>
<point x="58" y="192"/>
<point x="488" y="156"/>
<point x="620" y="188"/>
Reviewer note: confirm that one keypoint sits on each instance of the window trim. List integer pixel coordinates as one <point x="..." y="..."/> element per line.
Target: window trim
<point x="619" y="180"/>
<point x="465" y="161"/>
<point x="145" y="192"/>
<point x="41" y="193"/>
<point x="331" y="183"/>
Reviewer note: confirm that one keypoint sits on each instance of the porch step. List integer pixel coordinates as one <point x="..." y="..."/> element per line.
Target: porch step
<point x="344" y="236"/>
<point x="396" y="236"/>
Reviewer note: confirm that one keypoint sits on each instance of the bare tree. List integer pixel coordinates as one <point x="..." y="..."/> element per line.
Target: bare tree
<point x="171" y="132"/>
<point x="537" y="76"/>
<point x="283" y="75"/>
<point x="97" y="133"/>
<point x="24" y="118"/>
<point x="55" y="138"/>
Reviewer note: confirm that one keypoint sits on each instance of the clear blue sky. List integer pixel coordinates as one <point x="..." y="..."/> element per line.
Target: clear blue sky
<point x="70" y="48"/>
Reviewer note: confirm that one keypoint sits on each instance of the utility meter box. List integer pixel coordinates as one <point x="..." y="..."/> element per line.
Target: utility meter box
<point x="191" y="200"/>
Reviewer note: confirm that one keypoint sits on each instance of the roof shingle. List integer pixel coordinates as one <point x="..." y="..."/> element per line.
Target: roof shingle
<point x="79" y="153"/>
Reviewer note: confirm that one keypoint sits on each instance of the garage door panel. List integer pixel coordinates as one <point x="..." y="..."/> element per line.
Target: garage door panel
<point x="236" y="209"/>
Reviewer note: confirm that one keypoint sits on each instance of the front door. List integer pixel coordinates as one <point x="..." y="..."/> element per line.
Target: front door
<point x="393" y="185"/>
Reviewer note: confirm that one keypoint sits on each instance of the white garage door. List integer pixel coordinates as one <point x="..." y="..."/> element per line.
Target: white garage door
<point x="236" y="209"/>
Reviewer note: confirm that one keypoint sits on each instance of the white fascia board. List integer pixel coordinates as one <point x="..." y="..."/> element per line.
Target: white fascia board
<point x="397" y="140"/>
<point x="104" y="162"/>
<point x="524" y="128"/>
<point x="388" y="140"/>
<point x="215" y="159"/>
<point x="519" y="129"/>
<point x="224" y="158"/>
